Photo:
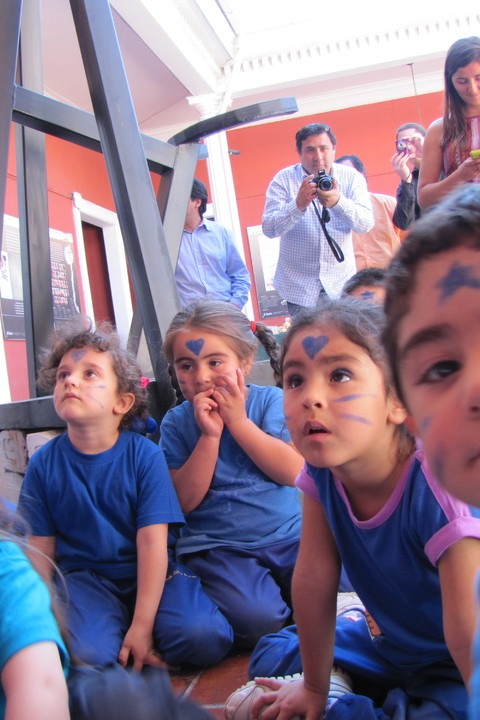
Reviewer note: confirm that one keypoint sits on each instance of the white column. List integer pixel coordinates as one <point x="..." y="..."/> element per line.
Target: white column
<point x="223" y="193"/>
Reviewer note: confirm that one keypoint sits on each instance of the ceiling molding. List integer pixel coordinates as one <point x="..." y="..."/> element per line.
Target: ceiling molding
<point x="181" y="38"/>
<point x="353" y="55"/>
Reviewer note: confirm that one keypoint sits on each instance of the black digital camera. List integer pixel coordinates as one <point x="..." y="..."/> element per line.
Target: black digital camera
<point x="322" y="180"/>
<point x="402" y="146"/>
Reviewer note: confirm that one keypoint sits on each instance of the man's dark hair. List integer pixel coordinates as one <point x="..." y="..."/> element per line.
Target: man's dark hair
<point x="355" y="160"/>
<point x="371" y="276"/>
<point x="199" y="191"/>
<point x="415" y="126"/>
<point x="313" y="129"/>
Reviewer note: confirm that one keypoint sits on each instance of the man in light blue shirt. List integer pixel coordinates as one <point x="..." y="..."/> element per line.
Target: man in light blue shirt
<point x="315" y="224"/>
<point x="209" y="264"/>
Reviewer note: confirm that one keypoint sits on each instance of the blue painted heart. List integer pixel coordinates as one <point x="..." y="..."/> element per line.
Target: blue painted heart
<point x="195" y="345"/>
<point x="313" y="345"/>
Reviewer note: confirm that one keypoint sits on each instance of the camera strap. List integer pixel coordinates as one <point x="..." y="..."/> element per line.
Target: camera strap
<point x="323" y="219"/>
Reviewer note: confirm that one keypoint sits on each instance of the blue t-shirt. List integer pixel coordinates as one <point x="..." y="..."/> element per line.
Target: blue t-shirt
<point x="391" y="559"/>
<point x="26" y="617"/>
<point x="95" y="504"/>
<point x="243" y="507"/>
<point x="474" y="709"/>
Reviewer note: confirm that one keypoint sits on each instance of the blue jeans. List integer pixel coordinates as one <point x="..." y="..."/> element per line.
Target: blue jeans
<point x="189" y="627"/>
<point x="250" y="586"/>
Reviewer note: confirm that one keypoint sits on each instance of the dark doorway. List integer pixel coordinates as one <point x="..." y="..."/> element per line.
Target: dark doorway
<point x="98" y="273"/>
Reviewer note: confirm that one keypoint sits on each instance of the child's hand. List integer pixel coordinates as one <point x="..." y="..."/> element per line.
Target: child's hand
<point x="229" y="394"/>
<point x="138" y="646"/>
<point x="288" y="699"/>
<point x="207" y="414"/>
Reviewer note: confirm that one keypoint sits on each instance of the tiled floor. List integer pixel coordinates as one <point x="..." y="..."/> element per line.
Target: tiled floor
<point x="211" y="687"/>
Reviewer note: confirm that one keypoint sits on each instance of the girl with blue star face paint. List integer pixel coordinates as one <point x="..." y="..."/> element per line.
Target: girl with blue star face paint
<point x="433" y="342"/>
<point x="372" y="505"/>
<point x="234" y="468"/>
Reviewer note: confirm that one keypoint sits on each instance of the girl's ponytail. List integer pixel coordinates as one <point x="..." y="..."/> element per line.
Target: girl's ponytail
<point x="267" y="338"/>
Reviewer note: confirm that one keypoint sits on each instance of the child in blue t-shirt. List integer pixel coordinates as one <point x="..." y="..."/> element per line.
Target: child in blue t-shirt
<point x="99" y="500"/>
<point x="409" y="549"/>
<point x="433" y="341"/>
<point x="33" y="658"/>
<point x="233" y="467"/>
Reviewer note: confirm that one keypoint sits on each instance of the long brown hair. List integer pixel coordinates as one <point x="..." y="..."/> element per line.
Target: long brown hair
<point x="455" y="124"/>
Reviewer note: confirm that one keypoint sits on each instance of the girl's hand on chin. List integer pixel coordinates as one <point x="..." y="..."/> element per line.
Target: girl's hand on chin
<point x="229" y="393"/>
<point x="207" y="414"/>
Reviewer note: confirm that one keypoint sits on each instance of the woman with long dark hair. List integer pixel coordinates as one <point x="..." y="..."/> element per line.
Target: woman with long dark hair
<point x="447" y="162"/>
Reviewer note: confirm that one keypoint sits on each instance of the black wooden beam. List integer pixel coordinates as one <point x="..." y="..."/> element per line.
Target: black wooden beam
<point x="234" y="118"/>
<point x="9" y="38"/>
<point x="50" y="116"/>
<point x="135" y="201"/>
<point x="33" y="204"/>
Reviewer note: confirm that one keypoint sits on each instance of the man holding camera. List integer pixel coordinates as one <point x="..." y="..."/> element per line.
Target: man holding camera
<point x="313" y="207"/>
<point x="409" y="145"/>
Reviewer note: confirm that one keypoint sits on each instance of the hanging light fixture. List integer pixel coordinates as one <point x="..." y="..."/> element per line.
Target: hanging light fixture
<point x="415" y="93"/>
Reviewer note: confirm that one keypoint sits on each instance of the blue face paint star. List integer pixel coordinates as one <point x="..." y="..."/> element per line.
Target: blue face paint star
<point x="368" y="295"/>
<point x="313" y="345"/>
<point x="356" y="418"/>
<point x="459" y="276"/>
<point x="77" y="355"/>
<point x="195" y="345"/>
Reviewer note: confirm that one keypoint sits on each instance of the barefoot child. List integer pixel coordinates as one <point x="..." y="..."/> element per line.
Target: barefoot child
<point x="433" y="341"/>
<point x="99" y="499"/>
<point x="233" y="467"/>
<point x="409" y="549"/>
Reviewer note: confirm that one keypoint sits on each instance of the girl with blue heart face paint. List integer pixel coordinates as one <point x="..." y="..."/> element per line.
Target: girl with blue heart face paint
<point x="233" y="466"/>
<point x="371" y="505"/>
<point x="337" y="405"/>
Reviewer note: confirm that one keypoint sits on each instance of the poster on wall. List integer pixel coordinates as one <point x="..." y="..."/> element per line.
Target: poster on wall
<point x="264" y="252"/>
<point x="64" y="277"/>
<point x="11" y="291"/>
<point x="65" y="297"/>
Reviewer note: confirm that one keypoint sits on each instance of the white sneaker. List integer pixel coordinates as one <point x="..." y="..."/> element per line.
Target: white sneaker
<point x="239" y="704"/>
<point x="340" y="684"/>
<point x="349" y="602"/>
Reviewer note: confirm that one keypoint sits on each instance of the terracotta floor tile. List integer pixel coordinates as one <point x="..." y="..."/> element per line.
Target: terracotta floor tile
<point x="211" y="687"/>
<point x="182" y="682"/>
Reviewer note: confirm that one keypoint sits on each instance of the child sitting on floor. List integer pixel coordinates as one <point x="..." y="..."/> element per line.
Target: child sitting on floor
<point x="233" y="467"/>
<point x="99" y="499"/>
<point x="409" y="549"/>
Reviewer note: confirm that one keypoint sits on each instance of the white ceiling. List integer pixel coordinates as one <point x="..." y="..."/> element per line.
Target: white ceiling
<point x="190" y="59"/>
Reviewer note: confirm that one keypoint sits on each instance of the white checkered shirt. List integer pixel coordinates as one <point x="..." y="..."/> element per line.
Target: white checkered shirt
<point x="306" y="262"/>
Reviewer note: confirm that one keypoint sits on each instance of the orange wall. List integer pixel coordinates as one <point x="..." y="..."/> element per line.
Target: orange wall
<point x="69" y="169"/>
<point x="367" y="131"/>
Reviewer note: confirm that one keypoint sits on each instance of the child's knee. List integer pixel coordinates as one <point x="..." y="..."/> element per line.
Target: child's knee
<point x="252" y="624"/>
<point x="202" y="640"/>
<point x="276" y="655"/>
